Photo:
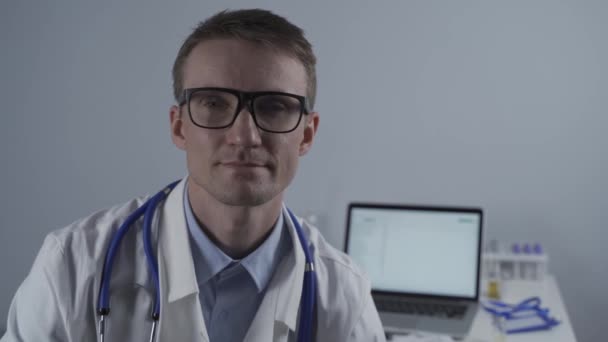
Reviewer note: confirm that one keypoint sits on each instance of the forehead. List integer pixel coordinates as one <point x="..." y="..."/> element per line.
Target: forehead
<point x="243" y="65"/>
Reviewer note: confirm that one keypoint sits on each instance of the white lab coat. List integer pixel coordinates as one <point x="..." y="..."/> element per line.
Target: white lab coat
<point x="58" y="299"/>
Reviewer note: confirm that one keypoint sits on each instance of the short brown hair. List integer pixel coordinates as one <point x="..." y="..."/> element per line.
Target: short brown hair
<point x="255" y="25"/>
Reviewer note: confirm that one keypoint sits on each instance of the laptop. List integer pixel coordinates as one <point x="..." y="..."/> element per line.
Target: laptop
<point x="423" y="263"/>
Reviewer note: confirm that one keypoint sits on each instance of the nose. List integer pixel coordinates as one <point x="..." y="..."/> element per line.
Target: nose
<point x="244" y="131"/>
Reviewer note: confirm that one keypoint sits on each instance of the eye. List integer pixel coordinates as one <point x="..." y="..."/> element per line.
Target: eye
<point x="213" y="102"/>
<point x="276" y="104"/>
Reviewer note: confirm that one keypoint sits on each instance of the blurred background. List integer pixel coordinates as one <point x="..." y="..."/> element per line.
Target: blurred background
<point x="483" y="103"/>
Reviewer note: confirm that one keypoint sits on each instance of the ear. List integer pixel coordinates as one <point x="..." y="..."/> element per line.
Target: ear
<point x="177" y="127"/>
<point x="310" y="129"/>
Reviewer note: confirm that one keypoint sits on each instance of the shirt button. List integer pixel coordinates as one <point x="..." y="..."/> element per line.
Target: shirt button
<point x="223" y="315"/>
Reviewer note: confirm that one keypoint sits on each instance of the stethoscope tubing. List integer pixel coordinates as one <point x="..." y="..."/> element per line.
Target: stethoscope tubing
<point x="307" y="301"/>
<point x="528" y="308"/>
<point x="309" y="285"/>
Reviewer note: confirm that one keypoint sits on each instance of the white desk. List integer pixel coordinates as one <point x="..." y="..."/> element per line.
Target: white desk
<point x="514" y="292"/>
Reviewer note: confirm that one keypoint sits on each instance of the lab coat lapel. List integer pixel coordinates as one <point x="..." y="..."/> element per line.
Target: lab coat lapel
<point x="279" y="308"/>
<point x="140" y="266"/>
<point x="181" y="317"/>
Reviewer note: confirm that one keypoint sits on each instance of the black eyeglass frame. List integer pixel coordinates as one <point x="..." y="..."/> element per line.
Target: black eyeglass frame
<point x="244" y="98"/>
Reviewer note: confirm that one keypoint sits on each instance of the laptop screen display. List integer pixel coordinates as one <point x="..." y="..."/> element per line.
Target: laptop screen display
<point x="417" y="251"/>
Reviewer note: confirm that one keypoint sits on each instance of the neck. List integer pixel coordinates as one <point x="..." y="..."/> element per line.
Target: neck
<point x="236" y="230"/>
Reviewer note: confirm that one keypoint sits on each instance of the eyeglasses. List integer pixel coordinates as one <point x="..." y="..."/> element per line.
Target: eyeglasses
<point x="272" y="111"/>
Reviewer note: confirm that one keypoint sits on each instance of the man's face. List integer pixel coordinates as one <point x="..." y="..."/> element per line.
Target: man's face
<point x="242" y="165"/>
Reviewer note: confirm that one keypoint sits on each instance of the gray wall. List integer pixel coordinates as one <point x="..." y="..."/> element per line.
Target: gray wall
<point x="497" y="104"/>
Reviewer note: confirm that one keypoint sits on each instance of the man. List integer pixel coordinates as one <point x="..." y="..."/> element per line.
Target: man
<point x="230" y="264"/>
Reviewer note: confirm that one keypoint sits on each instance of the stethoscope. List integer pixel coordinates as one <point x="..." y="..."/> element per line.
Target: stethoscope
<point x="307" y="301"/>
<point x="530" y="307"/>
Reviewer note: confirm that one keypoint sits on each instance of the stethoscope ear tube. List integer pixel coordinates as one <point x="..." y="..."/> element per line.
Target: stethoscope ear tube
<point x="307" y="301"/>
<point x="150" y="257"/>
<point x="103" y="300"/>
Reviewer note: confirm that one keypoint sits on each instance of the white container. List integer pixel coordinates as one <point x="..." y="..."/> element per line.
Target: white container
<point x="508" y="265"/>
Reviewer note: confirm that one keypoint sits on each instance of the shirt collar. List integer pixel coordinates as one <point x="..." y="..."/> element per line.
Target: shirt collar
<point x="262" y="262"/>
<point x="285" y="287"/>
<point x="209" y="260"/>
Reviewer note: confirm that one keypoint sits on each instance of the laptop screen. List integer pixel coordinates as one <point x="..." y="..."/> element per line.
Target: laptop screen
<point x="416" y="250"/>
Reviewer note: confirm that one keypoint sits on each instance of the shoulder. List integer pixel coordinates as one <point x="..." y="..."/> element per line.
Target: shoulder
<point x="74" y="255"/>
<point x="64" y="277"/>
<point x="88" y="236"/>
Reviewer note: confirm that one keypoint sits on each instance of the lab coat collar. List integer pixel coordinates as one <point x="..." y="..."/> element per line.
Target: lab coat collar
<point x="140" y="269"/>
<point x="175" y="254"/>
<point x="282" y="300"/>
<point x="290" y="291"/>
<point x="279" y="308"/>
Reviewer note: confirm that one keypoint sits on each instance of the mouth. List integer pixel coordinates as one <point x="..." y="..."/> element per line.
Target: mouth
<point x="241" y="164"/>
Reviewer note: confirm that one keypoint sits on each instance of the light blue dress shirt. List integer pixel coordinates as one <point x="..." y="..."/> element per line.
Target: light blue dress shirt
<point x="230" y="291"/>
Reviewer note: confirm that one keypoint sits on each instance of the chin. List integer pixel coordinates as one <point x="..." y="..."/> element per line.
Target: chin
<point x="245" y="195"/>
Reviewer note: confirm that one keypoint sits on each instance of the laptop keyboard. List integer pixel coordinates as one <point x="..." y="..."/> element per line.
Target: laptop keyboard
<point x="449" y="311"/>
